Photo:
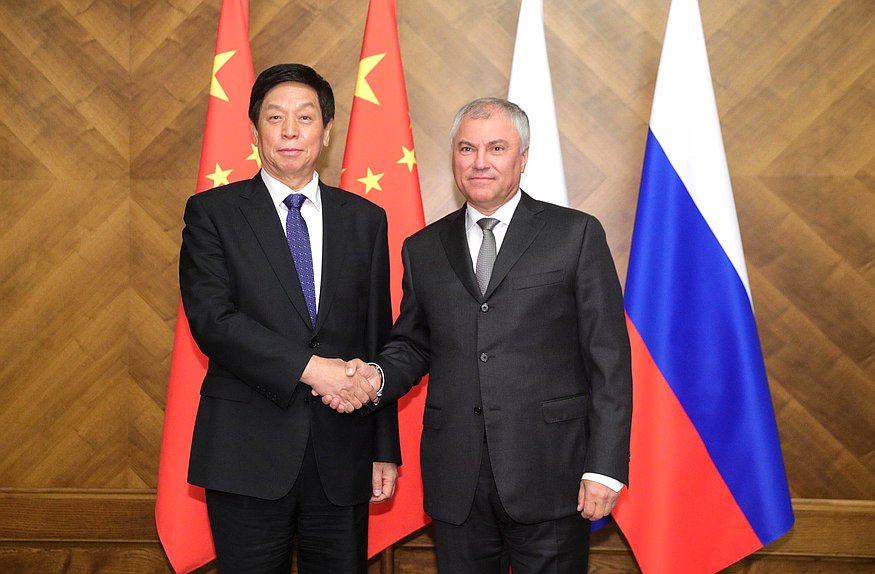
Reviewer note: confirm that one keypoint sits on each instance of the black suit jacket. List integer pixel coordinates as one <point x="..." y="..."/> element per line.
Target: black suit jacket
<point x="540" y="363"/>
<point x="247" y="314"/>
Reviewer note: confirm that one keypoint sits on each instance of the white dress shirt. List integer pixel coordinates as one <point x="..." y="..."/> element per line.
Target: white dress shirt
<point x="311" y="211"/>
<point x="474" y="233"/>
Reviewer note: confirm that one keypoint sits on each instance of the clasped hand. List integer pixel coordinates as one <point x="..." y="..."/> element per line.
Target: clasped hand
<point x="344" y="386"/>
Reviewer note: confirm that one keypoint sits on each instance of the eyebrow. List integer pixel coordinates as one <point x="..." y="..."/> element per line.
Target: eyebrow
<point x="305" y="105"/>
<point x="488" y="144"/>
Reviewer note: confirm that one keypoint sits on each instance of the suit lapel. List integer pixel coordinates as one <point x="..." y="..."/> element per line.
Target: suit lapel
<point x="335" y="230"/>
<point x="260" y="213"/>
<point x="456" y="246"/>
<point x="525" y="225"/>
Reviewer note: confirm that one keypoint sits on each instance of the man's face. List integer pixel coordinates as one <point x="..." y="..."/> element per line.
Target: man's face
<point x="290" y="135"/>
<point x="487" y="164"/>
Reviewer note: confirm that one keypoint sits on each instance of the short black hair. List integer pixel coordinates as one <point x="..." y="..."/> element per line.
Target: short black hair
<point x="299" y="73"/>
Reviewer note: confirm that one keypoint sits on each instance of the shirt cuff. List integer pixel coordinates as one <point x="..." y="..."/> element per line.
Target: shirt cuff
<point x="382" y="382"/>
<point x="611" y="483"/>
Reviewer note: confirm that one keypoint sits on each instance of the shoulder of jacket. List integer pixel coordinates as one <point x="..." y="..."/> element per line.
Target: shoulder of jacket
<point x="353" y="199"/>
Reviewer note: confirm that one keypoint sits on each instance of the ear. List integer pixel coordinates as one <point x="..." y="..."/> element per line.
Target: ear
<point x="326" y="136"/>
<point x="254" y="131"/>
<point x="525" y="160"/>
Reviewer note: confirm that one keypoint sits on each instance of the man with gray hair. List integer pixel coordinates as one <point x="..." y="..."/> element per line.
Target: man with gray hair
<point x="514" y="307"/>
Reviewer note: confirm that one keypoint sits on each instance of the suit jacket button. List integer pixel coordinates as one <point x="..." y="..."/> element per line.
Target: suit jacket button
<point x="314" y="343"/>
<point x="484" y="357"/>
<point x="477" y="410"/>
<point x="484" y="307"/>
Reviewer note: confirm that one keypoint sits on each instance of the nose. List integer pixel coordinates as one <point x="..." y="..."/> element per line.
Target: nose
<point x="290" y="128"/>
<point x="480" y="159"/>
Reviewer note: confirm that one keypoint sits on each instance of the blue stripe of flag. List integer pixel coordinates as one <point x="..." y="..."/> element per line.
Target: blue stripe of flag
<point x="694" y="315"/>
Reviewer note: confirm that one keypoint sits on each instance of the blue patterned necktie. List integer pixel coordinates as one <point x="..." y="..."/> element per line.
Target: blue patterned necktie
<point x="299" y="245"/>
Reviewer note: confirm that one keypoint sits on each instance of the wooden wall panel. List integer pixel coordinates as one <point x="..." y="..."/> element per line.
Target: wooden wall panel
<point x="102" y="105"/>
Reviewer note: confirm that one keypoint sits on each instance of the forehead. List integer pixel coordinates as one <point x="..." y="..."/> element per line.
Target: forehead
<point x="496" y="127"/>
<point x="291" y="94"/>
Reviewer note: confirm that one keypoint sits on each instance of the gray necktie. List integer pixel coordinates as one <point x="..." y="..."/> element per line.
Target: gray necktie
<point x="486" y="256"/>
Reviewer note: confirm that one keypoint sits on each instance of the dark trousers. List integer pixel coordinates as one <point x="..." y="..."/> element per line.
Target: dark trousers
<point x="253" y="535"/>
<point x="489" y="539"/>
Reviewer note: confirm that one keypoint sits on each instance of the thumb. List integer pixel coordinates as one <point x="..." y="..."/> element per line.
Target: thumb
<point x="352" y="367"/>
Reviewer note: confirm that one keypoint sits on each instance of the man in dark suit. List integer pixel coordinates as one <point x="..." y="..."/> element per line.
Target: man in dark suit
<point x="279" y="274"/>
<point x="527" y="418"/>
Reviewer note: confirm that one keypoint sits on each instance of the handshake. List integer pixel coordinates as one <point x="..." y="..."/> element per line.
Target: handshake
<point x="343" y="385"/>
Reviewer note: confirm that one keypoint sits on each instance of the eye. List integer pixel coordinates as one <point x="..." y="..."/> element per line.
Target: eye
<point x="466" y="149"/>
<point x="498" y="148"/>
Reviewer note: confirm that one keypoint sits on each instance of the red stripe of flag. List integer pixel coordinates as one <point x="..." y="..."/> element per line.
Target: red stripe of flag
<point x="704" y="528"/>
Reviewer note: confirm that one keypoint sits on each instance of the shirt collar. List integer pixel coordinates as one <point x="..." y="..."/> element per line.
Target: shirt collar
<point x="279" y="191"/>
<point x="503" y="214"/>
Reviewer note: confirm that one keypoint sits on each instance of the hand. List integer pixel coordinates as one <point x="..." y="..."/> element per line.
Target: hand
<point x="595" y="500"/>
<point x="355" y="368"/>
<point x="383" y="478"/>
<point x="328" y="377"/>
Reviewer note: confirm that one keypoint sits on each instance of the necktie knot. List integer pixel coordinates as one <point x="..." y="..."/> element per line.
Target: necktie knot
<point x="295" y="200"/>
<point x="487" y="223"/>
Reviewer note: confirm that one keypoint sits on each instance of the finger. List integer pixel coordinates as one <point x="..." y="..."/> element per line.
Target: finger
<point x="362" y="395"/>
<point x="376" y="483"/>
<point x="588" y="509"/>
<point x="367" y="388"/>
<point x="389" y="486"/>
<point x="346" y="407"/>
<point x="351" y="368"/>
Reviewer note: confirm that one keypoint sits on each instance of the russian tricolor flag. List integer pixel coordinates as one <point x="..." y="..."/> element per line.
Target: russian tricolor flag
<point x="707" y="484"/>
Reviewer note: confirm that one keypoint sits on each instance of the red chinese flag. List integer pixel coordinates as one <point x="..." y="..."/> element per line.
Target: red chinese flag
<point x="228" y="155"/>
<point x="380" y="164"/>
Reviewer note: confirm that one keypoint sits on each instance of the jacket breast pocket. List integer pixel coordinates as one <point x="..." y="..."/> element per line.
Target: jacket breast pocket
<point x="565" y="408"/>
<point x="538" y="279"/>
<point x="229" y="389"/>
<point x="432" y="417"/>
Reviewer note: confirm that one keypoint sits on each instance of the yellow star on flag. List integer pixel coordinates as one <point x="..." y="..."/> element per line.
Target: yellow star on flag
<point x="371" y="181"/>
<point x="409" y="158"/>
<point x="220" y="176"/>
<point x="362" y="87"/>
<point x="254" y="155"/>
<point x="215" y="87"/>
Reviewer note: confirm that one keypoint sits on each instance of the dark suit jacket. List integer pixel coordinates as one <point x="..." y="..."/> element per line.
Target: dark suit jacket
<point x="540" y="362"/>
<point x="247" y="314"/>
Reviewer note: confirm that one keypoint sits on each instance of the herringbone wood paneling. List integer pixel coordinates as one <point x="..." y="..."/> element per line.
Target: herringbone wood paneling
<point x="102" y="104"/>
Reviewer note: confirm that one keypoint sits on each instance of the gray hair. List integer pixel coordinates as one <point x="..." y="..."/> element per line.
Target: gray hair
<point x="482" y="108"/>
